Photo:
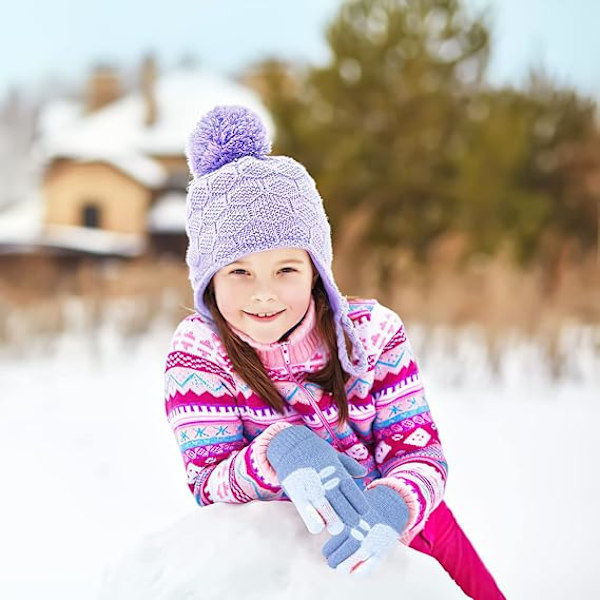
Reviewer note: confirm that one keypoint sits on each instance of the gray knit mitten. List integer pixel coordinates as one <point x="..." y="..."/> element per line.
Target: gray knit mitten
<point x="365" y="542"/>
<point x="317" y="479"/>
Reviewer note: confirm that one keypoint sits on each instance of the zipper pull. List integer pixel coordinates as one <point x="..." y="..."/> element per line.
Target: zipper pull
<point x="286" y="353"/>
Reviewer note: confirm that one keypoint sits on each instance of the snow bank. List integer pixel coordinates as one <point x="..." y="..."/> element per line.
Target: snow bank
<point x="92" y="477"/>
<point x="258" y="551"/>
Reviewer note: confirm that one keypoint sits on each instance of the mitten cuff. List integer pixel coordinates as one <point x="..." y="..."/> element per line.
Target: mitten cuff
<point x="260" y="445"/>
<point x="285" y="441"/>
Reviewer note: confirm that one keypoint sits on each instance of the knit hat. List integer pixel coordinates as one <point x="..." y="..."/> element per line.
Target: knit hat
<point x="242" y="201"/>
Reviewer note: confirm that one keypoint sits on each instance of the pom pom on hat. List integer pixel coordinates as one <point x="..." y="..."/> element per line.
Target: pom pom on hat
<point x="223" y="135"/>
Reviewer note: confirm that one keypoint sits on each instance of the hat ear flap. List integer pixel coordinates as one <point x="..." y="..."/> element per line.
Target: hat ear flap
<point x="359" y="366"/>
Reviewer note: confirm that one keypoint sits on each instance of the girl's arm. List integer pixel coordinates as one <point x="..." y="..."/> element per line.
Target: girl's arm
<point x="221" y="465"/>
<point x="408" y="450"/>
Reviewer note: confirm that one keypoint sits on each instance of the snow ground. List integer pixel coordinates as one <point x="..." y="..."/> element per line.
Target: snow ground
<point x="91" y="474"/>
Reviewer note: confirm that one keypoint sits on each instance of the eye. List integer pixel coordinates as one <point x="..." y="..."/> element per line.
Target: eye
<point x="238" y="272"/>
<point x="288" y="269"/>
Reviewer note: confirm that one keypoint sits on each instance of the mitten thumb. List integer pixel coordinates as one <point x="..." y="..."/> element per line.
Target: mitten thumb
<point x="390" y="505"/>
<point x="354" y="468"/>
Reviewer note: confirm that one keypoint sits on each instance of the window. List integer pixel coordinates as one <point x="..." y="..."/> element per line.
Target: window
<point x="91" y="215"/>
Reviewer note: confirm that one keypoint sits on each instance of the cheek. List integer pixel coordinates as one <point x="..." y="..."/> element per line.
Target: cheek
<point x="297" y="293"/>
<point x="226" y="307"/>
<point x="227" y="295"/>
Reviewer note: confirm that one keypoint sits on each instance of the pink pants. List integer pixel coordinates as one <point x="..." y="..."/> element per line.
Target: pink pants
<point x="444" y="539"/>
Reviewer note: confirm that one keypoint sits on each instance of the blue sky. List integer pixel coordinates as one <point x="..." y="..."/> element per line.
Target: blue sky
<point x="66" y="37"/>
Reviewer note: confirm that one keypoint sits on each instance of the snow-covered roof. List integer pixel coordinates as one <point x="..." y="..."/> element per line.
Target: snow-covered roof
<point x="182" y="97"/>
<point x="58" y="114"/>
<point x="168" y="214"/>
<point x="94" y="241"/>
<point x="75" y="239"/>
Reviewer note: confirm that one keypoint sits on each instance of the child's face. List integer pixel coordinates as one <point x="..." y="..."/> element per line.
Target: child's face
<point x="273" y="281"/>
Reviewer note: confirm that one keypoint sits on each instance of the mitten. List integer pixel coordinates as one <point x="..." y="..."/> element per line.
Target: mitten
<point x="317" y="479"/>
<point x="365" y="543"/>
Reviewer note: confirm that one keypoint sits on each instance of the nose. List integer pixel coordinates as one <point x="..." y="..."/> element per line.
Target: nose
<point x="262" y="294"/>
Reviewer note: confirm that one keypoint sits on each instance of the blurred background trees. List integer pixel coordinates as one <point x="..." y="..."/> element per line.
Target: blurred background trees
<point x="451" y="199"/>
<point x="410" y="146"/>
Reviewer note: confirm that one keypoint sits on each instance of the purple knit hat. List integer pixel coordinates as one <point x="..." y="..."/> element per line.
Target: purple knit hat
<point x="242" y="201"/>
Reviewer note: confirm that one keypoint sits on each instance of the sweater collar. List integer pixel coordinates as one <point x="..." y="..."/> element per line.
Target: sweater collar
<point x="302" y="343"/>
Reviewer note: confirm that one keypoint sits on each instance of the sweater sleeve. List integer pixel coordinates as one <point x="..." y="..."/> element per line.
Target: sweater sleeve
<point x="220" y="463"/>
<point x="408" y="450"/>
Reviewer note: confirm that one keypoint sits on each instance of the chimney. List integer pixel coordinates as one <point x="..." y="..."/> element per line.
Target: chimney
<point x="103" y="88"/>
<point x="148" y="80"/>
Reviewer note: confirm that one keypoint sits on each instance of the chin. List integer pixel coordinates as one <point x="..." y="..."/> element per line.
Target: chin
<point x="267" y="339"/>
<point x="268" y="336"/>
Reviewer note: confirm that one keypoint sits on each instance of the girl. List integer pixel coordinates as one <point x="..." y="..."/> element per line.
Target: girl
<point x="278" y="388"/>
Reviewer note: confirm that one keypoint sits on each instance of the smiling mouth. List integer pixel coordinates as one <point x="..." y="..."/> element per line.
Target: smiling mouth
<point x="269" y="316"/>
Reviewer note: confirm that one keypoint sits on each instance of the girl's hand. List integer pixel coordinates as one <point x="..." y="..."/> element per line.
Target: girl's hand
<point x="317" y="479"/>
<point x="364" y="544"/>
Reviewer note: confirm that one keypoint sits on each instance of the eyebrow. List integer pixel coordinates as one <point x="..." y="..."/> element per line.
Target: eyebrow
<point x="294" y="261"/>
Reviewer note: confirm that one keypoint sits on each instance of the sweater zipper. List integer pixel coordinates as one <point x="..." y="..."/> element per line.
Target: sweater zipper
<point x="311" y="399"/>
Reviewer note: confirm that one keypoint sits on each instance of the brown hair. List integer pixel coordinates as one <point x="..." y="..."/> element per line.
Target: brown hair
<point x="246" y="362"/>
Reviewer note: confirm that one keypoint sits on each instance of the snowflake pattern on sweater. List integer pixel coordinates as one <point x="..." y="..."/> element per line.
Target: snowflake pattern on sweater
<point x="223" y="427"/>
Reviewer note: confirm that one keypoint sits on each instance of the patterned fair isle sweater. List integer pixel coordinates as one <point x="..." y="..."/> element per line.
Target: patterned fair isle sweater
<point x="223" y="428"/>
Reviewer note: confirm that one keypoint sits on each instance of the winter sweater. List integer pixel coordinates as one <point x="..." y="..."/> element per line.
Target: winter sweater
<point x="223" y="427"/>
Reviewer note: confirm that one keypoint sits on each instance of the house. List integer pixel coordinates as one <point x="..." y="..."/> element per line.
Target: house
<point x="114" y="174"/>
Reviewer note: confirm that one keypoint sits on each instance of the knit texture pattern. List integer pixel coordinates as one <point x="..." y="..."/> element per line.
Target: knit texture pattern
<point x="317" y="479"/>
<point x="371" y="536"/>
<point x="254" y="203"/>
<point x="223" y="135"/>
<point x="223" y="428"/>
